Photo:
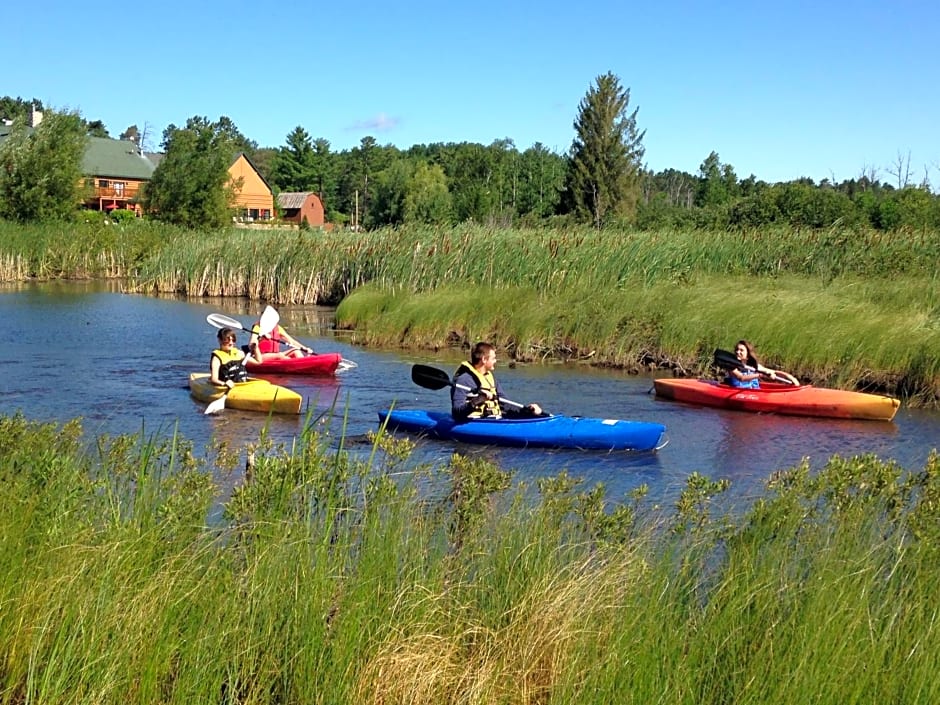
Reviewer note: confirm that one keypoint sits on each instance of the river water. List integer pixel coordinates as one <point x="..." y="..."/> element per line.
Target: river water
<point x="121" y="362"/>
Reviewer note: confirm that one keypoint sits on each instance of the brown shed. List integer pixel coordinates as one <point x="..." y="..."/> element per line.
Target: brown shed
<point x="297" y="205"/>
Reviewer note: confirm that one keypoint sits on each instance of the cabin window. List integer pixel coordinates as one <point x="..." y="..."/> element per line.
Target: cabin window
<point x="103" y="183"/>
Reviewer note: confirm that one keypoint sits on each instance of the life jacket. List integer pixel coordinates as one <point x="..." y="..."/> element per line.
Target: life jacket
<point x="231" y="365"/>
<point x="271" y="343"/>
<point x="487" y="382"/>
<point x="744" y="384"/>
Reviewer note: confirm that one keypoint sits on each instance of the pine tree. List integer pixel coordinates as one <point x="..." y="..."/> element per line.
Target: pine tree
<point x="605" y="158"/>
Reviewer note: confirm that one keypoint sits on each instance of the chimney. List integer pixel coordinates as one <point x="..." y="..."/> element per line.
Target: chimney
<point x="35" y="117"/>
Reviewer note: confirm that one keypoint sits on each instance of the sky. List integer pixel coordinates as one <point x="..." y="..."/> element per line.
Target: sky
<point x="779" y="90"/>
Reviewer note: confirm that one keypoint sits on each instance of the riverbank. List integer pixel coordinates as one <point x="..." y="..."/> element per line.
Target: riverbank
<point x="333" y="580"/>
<point x="840" y="308"/>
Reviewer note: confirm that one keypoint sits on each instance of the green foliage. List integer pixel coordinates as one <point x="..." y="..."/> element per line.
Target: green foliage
<point x="40" y="169"/>
<point x="18" y="109"/>
<point x="606" y="154"/>
<point x="427" y="199"/>
<point x="190" y="185"/>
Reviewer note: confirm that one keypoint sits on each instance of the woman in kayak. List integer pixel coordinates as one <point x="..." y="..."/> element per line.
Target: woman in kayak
<point x="227" y="363"/>
<point x="482" y="399"/>
<point x="748" y="375"/>
<point x="270" y="345"/>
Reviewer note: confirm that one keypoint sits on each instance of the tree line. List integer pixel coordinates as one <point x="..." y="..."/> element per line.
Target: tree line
<point x="601" y="180"/>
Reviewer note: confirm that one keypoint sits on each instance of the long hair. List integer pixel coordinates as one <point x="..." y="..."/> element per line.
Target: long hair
<point x="751" y="360"/>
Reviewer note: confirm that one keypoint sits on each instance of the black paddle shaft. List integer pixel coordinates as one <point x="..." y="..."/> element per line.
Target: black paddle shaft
<point x="433" y="378"/>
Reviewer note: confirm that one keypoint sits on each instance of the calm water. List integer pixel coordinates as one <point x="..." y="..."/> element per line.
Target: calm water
<point x="121" y="362"/>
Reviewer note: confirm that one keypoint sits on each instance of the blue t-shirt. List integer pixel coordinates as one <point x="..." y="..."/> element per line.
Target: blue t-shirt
<point x="745" y="384"/>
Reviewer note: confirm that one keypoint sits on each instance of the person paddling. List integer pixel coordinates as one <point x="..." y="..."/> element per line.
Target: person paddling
<point x="270" y="344"/>
<point x="748" y="375"/>
<point x="483" y="399"/>
<point x="227" y="363"/>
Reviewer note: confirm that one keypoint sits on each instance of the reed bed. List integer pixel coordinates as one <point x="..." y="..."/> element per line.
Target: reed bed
<point x="330" y="579"/>
<point x="848" y="308"/>
<point x="317" y="267"/>
<point x="84" y="249"/>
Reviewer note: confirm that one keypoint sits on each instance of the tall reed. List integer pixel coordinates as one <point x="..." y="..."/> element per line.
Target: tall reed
<point x="332" y="579"/>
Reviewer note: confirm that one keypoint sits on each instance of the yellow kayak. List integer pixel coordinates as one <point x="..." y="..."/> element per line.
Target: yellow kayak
<point x="253" y="395"/>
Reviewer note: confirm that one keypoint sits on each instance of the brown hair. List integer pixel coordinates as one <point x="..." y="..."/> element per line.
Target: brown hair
<point x="480" y="350"/>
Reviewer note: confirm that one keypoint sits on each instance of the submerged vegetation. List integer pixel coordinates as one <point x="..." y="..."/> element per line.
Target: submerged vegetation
<point x="329" y="579"/>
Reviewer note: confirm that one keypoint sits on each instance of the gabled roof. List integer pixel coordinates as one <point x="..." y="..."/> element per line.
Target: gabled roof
<point x="238" y="156"/>
<point x="120" y="158"/>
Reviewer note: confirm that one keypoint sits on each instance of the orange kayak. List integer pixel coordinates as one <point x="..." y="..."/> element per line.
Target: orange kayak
<point x="805" y="400"/>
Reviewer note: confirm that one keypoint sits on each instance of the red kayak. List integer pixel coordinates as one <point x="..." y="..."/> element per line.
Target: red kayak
<point x="320" y="364"/>
<point x="804" y="400"/>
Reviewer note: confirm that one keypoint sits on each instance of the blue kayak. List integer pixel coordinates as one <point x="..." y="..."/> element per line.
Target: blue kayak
<point x="574" y="432"/>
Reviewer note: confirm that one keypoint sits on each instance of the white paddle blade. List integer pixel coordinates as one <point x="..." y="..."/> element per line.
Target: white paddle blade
<point x="345" y="364"/>
<point x="216" y="406"/>
<point x="269" y="320"/>
<point x="217" y="320"/>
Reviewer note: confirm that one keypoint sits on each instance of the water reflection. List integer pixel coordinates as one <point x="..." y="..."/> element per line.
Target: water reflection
<point x="121" y="362"/>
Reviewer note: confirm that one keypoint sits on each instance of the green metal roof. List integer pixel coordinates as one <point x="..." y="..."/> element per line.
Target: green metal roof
<point x="117" y="158"/>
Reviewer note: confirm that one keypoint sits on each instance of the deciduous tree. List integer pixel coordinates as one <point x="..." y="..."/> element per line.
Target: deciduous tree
<point x="41" y="169"/>
<point x="190" y="186"/>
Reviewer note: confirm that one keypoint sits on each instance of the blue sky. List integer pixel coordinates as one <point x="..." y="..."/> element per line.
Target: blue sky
<point x="778" y="90"/>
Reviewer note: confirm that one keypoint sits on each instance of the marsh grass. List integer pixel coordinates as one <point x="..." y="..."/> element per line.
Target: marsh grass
<point x="85" y="249"/>
<point x="334" y="580"/>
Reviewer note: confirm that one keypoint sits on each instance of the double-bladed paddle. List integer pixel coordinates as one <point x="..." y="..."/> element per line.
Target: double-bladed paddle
<point x="433" y="378"/>
<point x="729" y="361"/>
<point x="268" y="322"/>
<point x="220" y="321"/>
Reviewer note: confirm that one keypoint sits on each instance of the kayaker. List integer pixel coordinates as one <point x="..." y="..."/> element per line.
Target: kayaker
<point x="482" y="401"/>
<point x="227" y="363"/>
<point x="749" y="374"/>
<point x="270" y="345"/>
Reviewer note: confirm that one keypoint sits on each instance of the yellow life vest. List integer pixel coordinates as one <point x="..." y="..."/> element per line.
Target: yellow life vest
<point x="231" y="365"/>
<point x="486" y="382"/>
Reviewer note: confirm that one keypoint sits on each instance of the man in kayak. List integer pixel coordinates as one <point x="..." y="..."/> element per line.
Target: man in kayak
<point x="482" y="399"/>
<point x="749" y="372"/>
<point x="270" y="345"/>
<point x="227" y="363"/>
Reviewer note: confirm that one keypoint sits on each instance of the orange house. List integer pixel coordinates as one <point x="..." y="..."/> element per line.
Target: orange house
<point x="253" y="199"/>
<point x="296" y="206"/>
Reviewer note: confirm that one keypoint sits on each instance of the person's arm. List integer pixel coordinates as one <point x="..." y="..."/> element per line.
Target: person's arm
<point x="255" y="351"/>
<point x="745" y="376"/>
<point x="462" y="401"/>
<point x="778" y="375"/>
<point x="293" y="342"/>
<point x="254" y="338"/>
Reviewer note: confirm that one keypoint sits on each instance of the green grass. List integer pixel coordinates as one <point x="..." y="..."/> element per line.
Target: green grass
<point x="842" y="308"/>
<point x="330" y="579"/>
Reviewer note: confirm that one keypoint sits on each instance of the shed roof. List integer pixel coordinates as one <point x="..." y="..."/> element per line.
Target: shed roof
<point x="293" y="199"/>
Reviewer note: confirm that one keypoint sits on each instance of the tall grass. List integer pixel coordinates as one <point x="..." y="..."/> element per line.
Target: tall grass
<point x="334" y="580"/>
<point x="90" y="247"/>
<point x="316" y="267"/>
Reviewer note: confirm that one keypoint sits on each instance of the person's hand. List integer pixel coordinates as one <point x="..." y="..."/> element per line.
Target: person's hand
<point x="535" y="409"/>
<point x="229" y="383"/>
<point x="308" y="351"/>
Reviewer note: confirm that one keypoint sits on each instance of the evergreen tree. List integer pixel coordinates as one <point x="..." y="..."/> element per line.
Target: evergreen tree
<point x="291" y="166"/>
<point x="189" y="186"/>
<point x="41" y="169"/>
<point x="606" y="154"/>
